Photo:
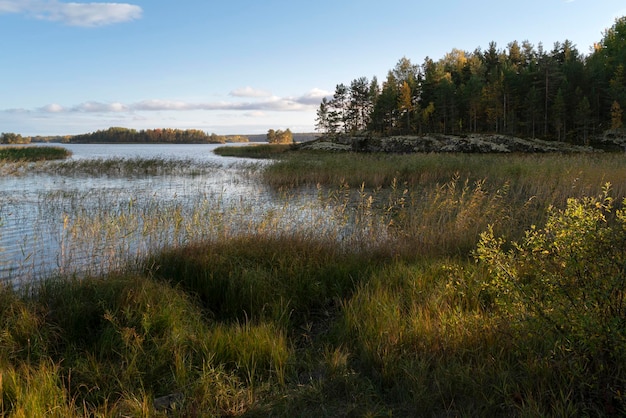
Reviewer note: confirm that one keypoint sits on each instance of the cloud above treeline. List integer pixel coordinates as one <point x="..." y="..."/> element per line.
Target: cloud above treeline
<point x="249" y="92"/>
<point x="306" y="101"/>
<point x="73" y="14"/>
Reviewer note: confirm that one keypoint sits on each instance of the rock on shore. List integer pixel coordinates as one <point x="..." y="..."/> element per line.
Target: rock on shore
<point x="473" y="143"/>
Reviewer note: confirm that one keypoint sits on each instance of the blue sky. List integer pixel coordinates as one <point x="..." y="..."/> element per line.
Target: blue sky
<point x="241" y="66"/>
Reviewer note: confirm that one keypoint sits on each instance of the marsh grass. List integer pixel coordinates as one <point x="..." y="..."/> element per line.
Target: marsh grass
<point x="130" y="167"/>
<point x="363" y="300"/>
<point x="282" y="279"/>
<point x="254" y="151"/>
<point x="30" y="154"/>
<point x="541" y="175"/>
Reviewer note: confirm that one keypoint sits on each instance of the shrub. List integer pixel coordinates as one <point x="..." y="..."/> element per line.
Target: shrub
<point x="565" y="284"/>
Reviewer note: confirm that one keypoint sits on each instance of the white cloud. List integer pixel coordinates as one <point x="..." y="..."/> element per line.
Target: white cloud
<point x="177" y="105"/>
<point x="74" y="14"/>
<point x="155" y="105"/>
<point x="255" y="114"/>
<point x="313" y="97"/>
<point x="11" y="6"/>
<point x="253" y="108"/>
<point x="272" y="103"/>
<point x="53" y="108"/>
<point x="100" y="107"/>
<point x="17" y="111"/>
<point x="250" y="92"/>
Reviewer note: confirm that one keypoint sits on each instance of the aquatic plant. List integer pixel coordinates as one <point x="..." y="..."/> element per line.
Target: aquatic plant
<point x="28" y="153"/>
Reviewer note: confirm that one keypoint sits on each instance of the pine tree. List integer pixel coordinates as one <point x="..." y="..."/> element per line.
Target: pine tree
<point x="322" y="123"/>
<point x="405" y="104"/>
<point x="558" y="114"/>
<point x="616" y="116"/>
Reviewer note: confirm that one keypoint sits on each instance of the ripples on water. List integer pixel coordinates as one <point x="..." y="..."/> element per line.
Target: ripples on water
<point x="80" y="220"/>
<point x="55" y="221"/>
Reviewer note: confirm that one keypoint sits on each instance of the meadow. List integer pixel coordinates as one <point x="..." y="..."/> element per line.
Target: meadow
<point x="405" y="285"/>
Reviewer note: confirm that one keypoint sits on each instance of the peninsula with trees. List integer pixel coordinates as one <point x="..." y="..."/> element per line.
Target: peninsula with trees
<point x="524" y="92"/>
<point x="119" y="135"/>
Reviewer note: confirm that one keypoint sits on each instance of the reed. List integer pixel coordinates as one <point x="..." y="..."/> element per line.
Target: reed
<point x="128" y="167"/>
<point x="254" y="151"/>
<point x="30" y="154"/>
<point x="528" y="174"/>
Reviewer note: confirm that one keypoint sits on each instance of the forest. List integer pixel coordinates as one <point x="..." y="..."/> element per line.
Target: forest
<point x="559" y="94"/>
<point x="168" y="135"/>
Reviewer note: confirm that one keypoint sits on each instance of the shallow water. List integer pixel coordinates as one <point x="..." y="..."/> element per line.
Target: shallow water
<point x="54" y="223"/>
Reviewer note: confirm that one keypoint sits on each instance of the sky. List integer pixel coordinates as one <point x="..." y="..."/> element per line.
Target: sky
<point x="241" y="66"/>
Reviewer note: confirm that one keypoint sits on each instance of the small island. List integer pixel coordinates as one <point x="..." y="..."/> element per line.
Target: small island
<point x="118" y="135"/>
<point x="31" y="154"/>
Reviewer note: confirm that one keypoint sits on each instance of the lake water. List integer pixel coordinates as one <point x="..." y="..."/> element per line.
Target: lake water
<point x="51" y="222"/>
<point x="199" y="152"/>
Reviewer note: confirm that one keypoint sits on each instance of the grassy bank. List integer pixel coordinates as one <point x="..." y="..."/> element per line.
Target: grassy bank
<point x="15" y="154"/>
<point x="426" y="291"/>
<point x="253" y="151"/>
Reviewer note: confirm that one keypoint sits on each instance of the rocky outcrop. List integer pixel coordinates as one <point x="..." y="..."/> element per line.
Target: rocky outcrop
<point x="613" y="140"/>
<point x="474" y="143"/>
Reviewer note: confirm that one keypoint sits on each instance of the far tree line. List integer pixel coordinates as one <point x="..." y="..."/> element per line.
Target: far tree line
<point x="521" y="90"/>
<point x="168" y="135"/>
<point x="124" y="135"/>
<point x="13" y="138"/>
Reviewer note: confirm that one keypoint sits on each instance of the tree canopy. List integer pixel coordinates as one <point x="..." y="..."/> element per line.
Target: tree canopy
<point x="13" y="138"/>
<point x="520" y="90"/>
<point x="279" y="136"/>
<point x="176" y="136"/>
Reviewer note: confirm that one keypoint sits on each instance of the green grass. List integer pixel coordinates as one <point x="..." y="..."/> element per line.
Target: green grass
<point x="254" y="151"/>
<point x="564" y="172"/>
<point x="15" y="154"/>
<point x="382" y="309"/>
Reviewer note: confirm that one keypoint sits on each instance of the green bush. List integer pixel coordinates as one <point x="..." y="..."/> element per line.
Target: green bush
<point x="564" y="285"/>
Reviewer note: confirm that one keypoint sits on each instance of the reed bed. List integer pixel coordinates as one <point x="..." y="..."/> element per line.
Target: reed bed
<point x="129" y="167"/>
<point x="254" y="151"/>
<point x="112" y="167"/>
<point x="30" y="154"/>
<point x="529" y="173"/>
<point x="371" y="286"/>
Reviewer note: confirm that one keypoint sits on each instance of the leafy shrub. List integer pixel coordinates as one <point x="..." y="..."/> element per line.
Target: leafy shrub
<point x="565" y="284"/>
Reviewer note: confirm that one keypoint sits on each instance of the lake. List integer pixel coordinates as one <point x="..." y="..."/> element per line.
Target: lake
<point x="62" y="221"/>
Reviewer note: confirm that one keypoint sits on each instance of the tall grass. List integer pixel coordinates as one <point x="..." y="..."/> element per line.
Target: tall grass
<point x="540" y="175"/>
<point x="26" y="153"/>
<point x="130" y="167"/>
<point x="20" y="160"/>
<point x="254" y="151"/>
<point x="356" y="293"/>
<point x="441" y="199"/>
